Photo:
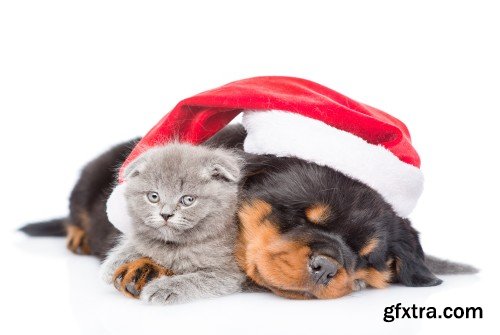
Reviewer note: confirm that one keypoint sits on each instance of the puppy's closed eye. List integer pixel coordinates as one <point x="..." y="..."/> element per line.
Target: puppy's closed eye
<point x="368" y="247"/>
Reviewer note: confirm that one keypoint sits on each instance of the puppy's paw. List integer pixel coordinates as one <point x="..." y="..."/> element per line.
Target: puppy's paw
<point x="76" y="240"/>
<point x="359" y="285"/>
<point x="130" y="278"/>
<point x="159" y="292"/>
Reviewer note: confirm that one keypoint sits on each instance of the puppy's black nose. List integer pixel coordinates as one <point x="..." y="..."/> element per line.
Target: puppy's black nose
<point x="166" y="216"/>
<point x="322" y="269"/>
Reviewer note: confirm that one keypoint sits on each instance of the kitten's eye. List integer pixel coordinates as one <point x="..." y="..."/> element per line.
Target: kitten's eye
<point x="187" y="200"/>
<point x="153" y="197"/>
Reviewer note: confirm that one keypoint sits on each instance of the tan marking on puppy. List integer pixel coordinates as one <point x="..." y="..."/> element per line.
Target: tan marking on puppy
<point x="374" y="278"/>
<point x="368" y="247"/>
<point x="76" y="240"/>
<point x="285" y="294"/>
<point x="397" y="265"/>
<point x="84" y="218"/>
<point x="261" y="249"/>
<point x="342" y="284"/>
<point x="138" y="273"/>
<point x="250" y="215"/>
<point x="390" y="262"/>
<point x="242" y="242"/>
<point x="291" y="294"/>
<point x="281" y="265"/>
<point x="318" y="213"/>
<point x="278" y="264"/>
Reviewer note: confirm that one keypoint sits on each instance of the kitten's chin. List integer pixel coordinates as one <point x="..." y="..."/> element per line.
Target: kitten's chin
<point x="148" y="227"/>
<point x="163" y="232"/>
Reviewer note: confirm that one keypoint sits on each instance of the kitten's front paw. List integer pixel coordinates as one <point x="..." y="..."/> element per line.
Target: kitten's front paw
<point x="130" y="278"/>
<point x="157" y="293"/>
<point x="107" y="271"/>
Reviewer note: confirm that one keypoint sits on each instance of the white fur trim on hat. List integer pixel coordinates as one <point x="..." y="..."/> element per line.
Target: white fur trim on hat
<point x="289" y="134"/>
<point x="116" y="208"/>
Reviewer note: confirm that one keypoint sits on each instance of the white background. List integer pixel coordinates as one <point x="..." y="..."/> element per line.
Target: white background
<point x="77" y="77"/>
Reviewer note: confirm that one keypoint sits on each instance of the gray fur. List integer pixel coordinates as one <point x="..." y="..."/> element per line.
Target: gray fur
<point x="444" y="267"/>
<point x="123" y="252"/>
<point x="197" y="242"/>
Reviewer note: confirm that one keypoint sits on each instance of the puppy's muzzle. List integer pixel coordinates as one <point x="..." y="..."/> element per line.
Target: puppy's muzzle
<point x="322" y="269"/>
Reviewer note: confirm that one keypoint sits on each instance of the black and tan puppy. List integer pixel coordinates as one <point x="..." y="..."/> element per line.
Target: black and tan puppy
<point x="306" y="231"/>
<point x="310" y="231"/>
<point x="87" y="228"/>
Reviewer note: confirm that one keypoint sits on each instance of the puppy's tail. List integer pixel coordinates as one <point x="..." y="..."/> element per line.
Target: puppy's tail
<point x="56" y="227"/>
<point x="440" y="266"/>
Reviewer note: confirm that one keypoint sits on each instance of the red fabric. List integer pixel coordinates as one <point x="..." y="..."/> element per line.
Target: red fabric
<point x="197" y="118"/>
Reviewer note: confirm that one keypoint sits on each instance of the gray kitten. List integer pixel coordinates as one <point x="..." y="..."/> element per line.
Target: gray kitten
<point x="183" y="200"/>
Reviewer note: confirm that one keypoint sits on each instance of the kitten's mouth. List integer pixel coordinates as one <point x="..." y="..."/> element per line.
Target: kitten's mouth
<point x="157" y="225"/>
<point x="151" y="224"/>
<point x="167" y="225"/>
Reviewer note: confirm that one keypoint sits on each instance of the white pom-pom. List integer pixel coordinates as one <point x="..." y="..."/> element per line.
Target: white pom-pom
<point x="116" y="208"/>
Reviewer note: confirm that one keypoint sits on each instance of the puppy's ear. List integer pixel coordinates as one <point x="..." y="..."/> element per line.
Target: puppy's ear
<point x="409" y="265"/>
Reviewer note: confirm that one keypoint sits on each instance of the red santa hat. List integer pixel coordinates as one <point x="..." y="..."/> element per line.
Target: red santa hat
<point x="286" y="116"/>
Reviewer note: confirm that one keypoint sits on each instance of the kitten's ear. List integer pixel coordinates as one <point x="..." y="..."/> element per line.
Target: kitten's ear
<point x="225" y="167"/>
<point x="133" y="169"/>
<point x="218" y="171"/>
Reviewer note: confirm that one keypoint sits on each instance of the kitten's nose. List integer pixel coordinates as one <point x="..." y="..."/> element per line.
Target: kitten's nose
<point x="166" y="216"/>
